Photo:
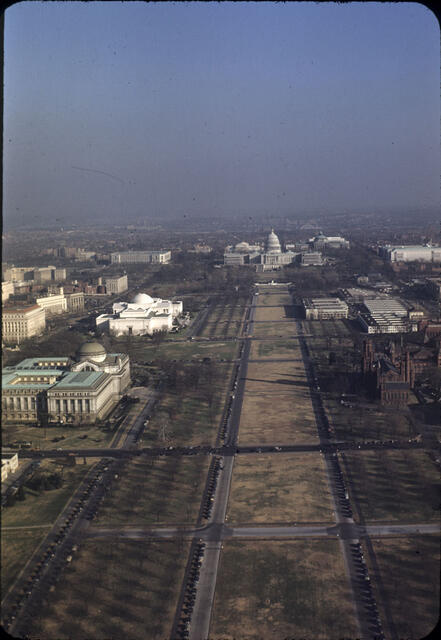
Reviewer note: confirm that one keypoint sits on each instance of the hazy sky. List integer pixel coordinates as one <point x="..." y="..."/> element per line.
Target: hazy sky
<point x="123" y="110"/>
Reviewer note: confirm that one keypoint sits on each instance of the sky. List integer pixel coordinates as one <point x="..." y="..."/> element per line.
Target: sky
<point x="129" y="110"/>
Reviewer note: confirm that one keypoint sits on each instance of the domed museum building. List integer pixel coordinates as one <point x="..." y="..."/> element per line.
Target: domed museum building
<point x="143" y="316"/>
<point x="61" y="389"/>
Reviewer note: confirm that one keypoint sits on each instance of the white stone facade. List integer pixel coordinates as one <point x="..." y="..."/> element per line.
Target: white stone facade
<point x="60" y="390"/>
<point x="54" y="304"/>
<point x="143" y="316"/>
<point x="131" y="257"/>
<point x="21" y="324"/>
<point x="269" y="258"/>
<point x="118" y="284"/>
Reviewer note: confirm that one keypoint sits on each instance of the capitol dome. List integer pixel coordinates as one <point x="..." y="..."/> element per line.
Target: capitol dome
<point x="273" y="243"/>
<point x="91" y="351"/>
<point x="142" y="298"/>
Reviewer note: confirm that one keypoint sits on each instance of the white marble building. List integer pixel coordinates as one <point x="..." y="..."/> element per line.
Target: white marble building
<point x="143" y="316"/>
<point x="265" y="258"/>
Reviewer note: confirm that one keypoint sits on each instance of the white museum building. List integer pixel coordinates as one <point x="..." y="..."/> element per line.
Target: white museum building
<point x="143" y="316"/>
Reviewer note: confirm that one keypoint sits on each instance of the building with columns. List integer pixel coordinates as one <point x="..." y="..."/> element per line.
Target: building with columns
<point x="78" y="390"/>
<point x="143" y="316"/>
<point x="21" y="323"/>
<point x="266" y="258"/>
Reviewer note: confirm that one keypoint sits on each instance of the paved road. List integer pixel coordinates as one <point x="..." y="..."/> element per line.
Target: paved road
<point x="200" y="625"/>
<point x="224" y="532"/>
<point x="227" y="449"/>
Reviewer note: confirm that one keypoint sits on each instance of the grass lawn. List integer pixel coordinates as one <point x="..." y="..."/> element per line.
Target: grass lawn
<point x="156" y="491"/>
<point x="118" y="590"/>
<point x="143" y="350"/>
<point x="275" y="329"/>
<point x="43" y="508"/>
<point x="270" y="376"/>
<point x="409" y="569"/>
<point x="393" y="485"/>
<point x="17" y="546"/>
<point x="280" y="298"/>
<point x="273" y="590"/>
<point x="332" y="328"/>
<point x="279" y="488"/>
<point x="265" y="314"/>
<point x="274" y="349"/>
<point x="72" y="436"/>
<point x="362" y="423"/>
<point x="277" y="419"/>
<point x="187" y="419"/>
<point x="277" y="405"/>
<point x="224" y="321"/>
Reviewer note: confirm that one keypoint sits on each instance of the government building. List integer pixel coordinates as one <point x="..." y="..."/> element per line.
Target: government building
<point x="22" y="323"/>
<point x="410" y="253"/>
<point x="60" y="389"/>
<point x="143" y="316"/>
<point x="268" y="258"/>
<point x="133" y="257"/>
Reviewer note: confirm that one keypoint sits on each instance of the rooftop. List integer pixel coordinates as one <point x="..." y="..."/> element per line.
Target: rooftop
<point x="80" y="380"/>
<point x="21" y="309"/>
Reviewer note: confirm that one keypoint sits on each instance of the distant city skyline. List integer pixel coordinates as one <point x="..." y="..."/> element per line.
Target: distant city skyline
<point x="124" y="111"/>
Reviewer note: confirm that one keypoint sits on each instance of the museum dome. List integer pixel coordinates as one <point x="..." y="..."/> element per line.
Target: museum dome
<point x="92" y="350"/>
<point x="273" y="243"/>
<point x="142" y="298"/>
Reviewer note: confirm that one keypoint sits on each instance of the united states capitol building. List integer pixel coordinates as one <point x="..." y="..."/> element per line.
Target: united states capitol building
<point x="143" y="316"/>
<point x="61" y="389"/>
<point x="265" y="258"/>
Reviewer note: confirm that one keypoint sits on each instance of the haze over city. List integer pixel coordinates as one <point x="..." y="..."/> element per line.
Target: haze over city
<point x="158" y="111"/>
<point x="221" y="321"/>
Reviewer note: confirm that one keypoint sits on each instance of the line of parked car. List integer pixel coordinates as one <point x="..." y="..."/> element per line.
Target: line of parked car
<point x="213" y="473"/>
<point x="224" y="426"/>
<point x="183" y="630"/>
<point x="55" y="557"/>
<point x="342" y="492"/>
<point x="365" y="589"/>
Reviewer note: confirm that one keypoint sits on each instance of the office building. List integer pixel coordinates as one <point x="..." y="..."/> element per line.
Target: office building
<point x="333" y="242"/>
<point x="410" y="253"/>
<point x="325" y="308"/>
<point x="74" y="302"/>
<point x="311" y="259"/>
<point x="53" y="304"/>
<point x="7" y="290"/>
<point x="116" y="284"/>
<point x="39" y="275"/>
<point x="148" y="257"/>
<point x="22" y="323"/>
<point x="387" y="315"/>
